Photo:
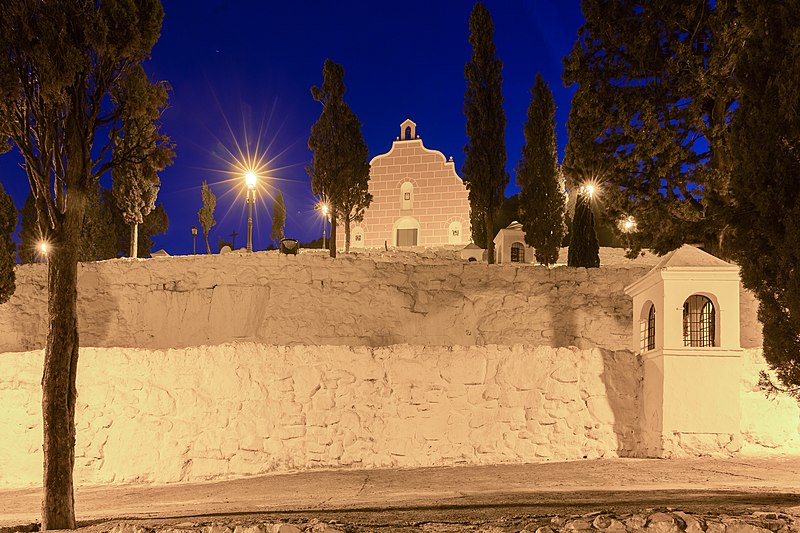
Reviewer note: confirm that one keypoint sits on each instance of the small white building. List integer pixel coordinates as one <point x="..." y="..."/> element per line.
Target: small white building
<point x="418" y="199"/>
<point x="686" y="330"/>
<point x="510" y="247"/>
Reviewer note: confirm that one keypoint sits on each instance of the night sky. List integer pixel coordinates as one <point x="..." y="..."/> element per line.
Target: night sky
<point x="241" y="73"/>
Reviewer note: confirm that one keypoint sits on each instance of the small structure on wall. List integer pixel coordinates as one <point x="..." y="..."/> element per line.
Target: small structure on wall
<point x="418" y="199"/>
<point x="510" y="247"/>
<point x="686" y="330"/>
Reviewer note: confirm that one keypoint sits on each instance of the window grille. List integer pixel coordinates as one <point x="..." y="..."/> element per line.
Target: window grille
<point x="699" y="322"/>
<point x="517" y="253"/>
<point x="647" y="333"/>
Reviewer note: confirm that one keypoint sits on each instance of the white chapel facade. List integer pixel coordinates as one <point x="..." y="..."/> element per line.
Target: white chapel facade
<point x="418" y="199"/>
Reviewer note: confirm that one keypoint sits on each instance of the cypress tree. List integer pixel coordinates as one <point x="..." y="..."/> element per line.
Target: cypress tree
<point x="63" y="66"/>
<point x="278" y="217"/>
<point x="484" y="169"/>
<point x="29" y="232"/>
<point x="206" y="213"/>
<point x="650" y="117"/>
<point x="764" y="182"/>
<point x="8" y="260"/>
<point x="541" y="196"/>
<point x="340" y="169"/>
<point x="584" y="250"/>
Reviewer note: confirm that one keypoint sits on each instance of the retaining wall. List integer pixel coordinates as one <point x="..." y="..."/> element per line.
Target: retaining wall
<point x="237" y="409"/>
<point x="265" y="297"/>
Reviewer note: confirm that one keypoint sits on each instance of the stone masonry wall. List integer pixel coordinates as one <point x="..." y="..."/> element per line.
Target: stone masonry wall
<point x="357" y="300"/>
<point x="237" y="409"/>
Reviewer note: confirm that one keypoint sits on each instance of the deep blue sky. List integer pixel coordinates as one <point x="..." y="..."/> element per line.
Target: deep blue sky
<point x="241" y="73"/>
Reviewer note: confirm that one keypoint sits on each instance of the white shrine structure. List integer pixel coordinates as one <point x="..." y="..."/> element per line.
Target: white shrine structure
<point x="686" y="328"/>
<point x="418" y="199"/>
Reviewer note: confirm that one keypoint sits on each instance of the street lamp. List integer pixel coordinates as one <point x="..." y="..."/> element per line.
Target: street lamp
<point x="43" y="250"/>
<point x="627" y="225"/>
<point x="324" y="209"/>
<point x="250" y="179"/>
<point x="194" y="239"/>
<point x="589" y="189"/>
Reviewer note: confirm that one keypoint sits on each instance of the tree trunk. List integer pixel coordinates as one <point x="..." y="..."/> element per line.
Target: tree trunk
<point x="60" y="368"/>
<point x="134" y="240"/>
<point x="489" y="220"/>
<point x="347" y="235"/>
<point x="332" y="242"/>
<point x="208" y="246"/>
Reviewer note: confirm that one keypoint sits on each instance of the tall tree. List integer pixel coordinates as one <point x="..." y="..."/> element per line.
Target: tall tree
<point x="765" y="151"/>
<point x="62" y="66"/>
<point x="8" y="250"/>
<point x="98" y="239"/>
<point x="278" y="217"/>
<point x="135" y="182"/>
<point x="541" y="195"/>
<point x="484" y="167"/>
<point x="584" y="250"/>
<point x="29" y="232"/>
<point x="649" y="120"/>
<point x="340" y="169"/>
<point x="206" y="213"/>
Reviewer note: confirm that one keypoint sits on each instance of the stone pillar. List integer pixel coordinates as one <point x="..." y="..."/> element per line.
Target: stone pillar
<point x="690" y="355"/>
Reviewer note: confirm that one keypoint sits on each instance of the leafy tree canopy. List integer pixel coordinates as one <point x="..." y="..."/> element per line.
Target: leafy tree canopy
<point x="541" y="196"/>
<point x="339" y="170"/>
<point x="649" y="121"/>
<point x="484" y="170"/>
<point x="765" y="182"/>
<point x="8" y="250"/>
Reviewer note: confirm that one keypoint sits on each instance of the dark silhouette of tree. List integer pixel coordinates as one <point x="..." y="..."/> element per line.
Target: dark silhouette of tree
<point x="98" y="237"/>
<point x="63" y="66"/>
<point x="541" y="196"/>
<point x="584" y="250"/>
<point x="206" y="213"/>
<point x="135" y="181"/>
<point x="649" y="120"/>
<point x="29" y="232"/>
<point x="765" y="182"/>
<point x="340" y="169"/>
<point x="484" y="169"/>
<point x="8" y="250"/>
<point x="278" y="217"/>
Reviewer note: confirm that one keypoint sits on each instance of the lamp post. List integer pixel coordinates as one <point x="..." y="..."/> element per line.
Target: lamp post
<point x="194" y="239"/>
<point x="250" y="179"/>
<point x="43" y="248"/>
<point x="324" y="209"/>
<point x="627" y="225"/>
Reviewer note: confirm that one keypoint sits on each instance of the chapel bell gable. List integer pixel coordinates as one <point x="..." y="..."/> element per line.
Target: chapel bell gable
<point x="408" y="130"/>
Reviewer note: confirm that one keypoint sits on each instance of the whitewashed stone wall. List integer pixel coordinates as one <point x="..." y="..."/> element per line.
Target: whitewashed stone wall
<point x="237" y="409"/>
<point x="310" y="299"/>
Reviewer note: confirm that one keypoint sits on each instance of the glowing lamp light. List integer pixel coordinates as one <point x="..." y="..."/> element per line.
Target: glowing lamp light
<point x="43" y="247"/>
<point x="250" y="178"/>
<point x="628" y="224"/>
<point x="589" y="189"/>
<point x="324" y="209"/>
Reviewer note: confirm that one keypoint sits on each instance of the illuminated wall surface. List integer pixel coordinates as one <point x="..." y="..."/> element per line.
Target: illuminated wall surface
<point x="417" y="197"/>
<point x="206" y="367"/>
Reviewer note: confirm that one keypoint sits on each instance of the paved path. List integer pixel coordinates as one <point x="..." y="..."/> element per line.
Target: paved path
<point x="702" y="485"/>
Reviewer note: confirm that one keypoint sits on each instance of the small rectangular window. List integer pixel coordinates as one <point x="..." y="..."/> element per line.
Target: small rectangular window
<point x="406" y="237"/>
<point x="455" y="233"/>
<point x="358" y="237"/>
<point x="407" y="196"/>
